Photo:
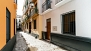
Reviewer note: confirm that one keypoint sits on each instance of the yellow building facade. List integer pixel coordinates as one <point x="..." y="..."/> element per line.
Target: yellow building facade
<point x="7" y="20"/>
<point x="32" y="22"/>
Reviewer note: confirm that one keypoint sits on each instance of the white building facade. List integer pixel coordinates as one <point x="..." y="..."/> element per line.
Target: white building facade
<point x="66" y="18"/>
<point x="82" y="15"/>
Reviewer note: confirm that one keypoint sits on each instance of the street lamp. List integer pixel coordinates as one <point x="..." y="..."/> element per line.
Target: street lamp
<point x="31" y="5"/>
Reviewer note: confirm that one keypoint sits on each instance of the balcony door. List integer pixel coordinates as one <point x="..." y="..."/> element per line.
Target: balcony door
<point x="7" y="25"/>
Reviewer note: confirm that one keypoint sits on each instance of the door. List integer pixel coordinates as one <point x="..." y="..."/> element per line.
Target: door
<point x="48" y="28"/>
<point x="14" y="26"/>
<point x="29" y="27"/>
<point x="7" y="25"/>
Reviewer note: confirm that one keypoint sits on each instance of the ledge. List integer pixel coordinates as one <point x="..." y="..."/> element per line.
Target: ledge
<point x="61" y="3"/>
<point x="48" y="10"/>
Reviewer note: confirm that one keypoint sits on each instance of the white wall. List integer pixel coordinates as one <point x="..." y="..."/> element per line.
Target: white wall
<point x="83" y="17"/>
<point x="18" y="22"/>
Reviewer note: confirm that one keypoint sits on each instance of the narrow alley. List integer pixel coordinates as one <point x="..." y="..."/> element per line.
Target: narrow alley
<point x="30" y="43"/>
<point x="45" y="25"/>
<point x="20" y="43"/>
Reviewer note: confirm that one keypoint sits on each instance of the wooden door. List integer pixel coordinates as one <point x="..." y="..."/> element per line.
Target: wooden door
<point x="8" y="16"/>
<point x="14" y="26"/>
<point x="48" y="28"/>
<point x="29" y="27"/>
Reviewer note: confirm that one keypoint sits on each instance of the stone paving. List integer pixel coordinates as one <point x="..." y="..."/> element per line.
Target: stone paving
<point x="20" y="43"/>
<point x="39" y="45"/>
<point x="26" y="42"/>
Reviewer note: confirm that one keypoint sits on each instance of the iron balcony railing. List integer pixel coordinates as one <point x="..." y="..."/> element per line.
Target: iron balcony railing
<point x="46" y="5"/>
<point x="26" y="18"/>
<point x="57" y="1"/>
<point x="29" y="14"/>
<point x="32" y="12"/>
<point x="26" y="6"/>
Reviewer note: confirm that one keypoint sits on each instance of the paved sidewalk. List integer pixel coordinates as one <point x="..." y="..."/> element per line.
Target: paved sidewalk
<point x="20" y="43"/>
<point x="39" y="45"/>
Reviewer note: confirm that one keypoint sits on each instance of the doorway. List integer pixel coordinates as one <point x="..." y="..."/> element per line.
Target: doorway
<point x="14" y="26"/>
<point x="7" y="25"/>
<point x="29" y="27"/>
<point x="48" y="23"/>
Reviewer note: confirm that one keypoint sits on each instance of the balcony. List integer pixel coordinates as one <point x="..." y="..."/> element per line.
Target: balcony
<point x="59" y="3"/>
<point x="46" y="6"/>
<point x="33" y="12"/>
<point x="26" y="7"/>
<point x="26" y="18"/>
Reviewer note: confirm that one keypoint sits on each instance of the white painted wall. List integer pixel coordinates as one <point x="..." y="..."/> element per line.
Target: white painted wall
<point x="18" y="22"/>
<point x="83" y="16"/>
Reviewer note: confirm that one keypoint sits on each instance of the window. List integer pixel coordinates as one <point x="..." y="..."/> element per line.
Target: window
<point x="8" y="25"/>
<point x="69" y="23"/>
<point x="34" y="24"/>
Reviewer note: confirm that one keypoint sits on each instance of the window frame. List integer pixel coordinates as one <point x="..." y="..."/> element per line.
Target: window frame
<point x="68" y="23"/>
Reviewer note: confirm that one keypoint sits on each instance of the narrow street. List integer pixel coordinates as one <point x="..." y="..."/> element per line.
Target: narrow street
<point x="26" y="42"/>
<point x="45" y="25"/>
<point x="20" y="43"/>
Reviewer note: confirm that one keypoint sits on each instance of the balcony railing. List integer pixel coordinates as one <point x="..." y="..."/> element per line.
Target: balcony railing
<point x="26" y="6"/>
<point x="46" y="5"/>
<point x="34" y="11"/>
<point x="57" y="1"/>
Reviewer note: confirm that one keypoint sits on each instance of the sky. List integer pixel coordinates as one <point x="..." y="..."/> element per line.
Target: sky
<point x="20" y="7"/>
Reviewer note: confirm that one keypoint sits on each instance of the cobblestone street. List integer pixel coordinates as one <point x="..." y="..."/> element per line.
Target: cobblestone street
<point x="38" y="45"/>
<point x="26" y="42"/>
<point x="20" y="43"/>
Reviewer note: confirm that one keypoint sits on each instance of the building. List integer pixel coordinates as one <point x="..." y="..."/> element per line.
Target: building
<point x="7" y="20"/>
<point x="18" y="22"/>
<point x="32" y="21"/>
<point x="66" y="22"/>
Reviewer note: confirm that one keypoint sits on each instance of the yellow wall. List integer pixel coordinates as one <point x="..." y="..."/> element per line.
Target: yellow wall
<point x="10" y="5"/>
<point x="38" y="25"/>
